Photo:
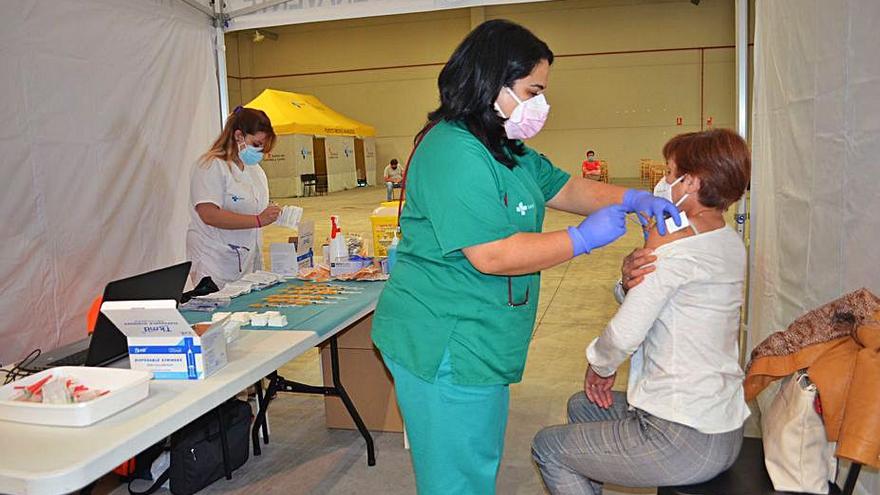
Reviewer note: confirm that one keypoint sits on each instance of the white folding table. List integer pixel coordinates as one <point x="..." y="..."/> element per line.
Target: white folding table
<point x="54" y="460"/>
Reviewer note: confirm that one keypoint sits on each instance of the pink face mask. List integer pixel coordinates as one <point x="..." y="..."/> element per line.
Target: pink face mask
<point x="527" y="118"/>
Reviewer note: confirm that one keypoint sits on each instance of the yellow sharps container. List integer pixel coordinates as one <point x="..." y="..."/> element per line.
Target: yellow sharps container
<point x="384" y="221"/>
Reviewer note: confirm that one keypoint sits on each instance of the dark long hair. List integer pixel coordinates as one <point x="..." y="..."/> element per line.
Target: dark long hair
<point x="492" y="56"/>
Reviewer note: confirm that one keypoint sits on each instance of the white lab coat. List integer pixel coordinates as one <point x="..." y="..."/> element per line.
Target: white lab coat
<point x="225" y="254"/>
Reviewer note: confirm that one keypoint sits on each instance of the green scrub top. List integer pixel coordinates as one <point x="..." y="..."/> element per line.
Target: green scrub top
<point x="458" y="195"/>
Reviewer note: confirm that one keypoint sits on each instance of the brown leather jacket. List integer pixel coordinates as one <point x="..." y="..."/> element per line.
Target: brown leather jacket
<point x="846" y="371"/>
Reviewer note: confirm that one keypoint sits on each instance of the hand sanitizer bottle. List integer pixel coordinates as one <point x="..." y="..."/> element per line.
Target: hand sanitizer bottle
<point x="338" y="250"/>
<point x="392" y="252"/>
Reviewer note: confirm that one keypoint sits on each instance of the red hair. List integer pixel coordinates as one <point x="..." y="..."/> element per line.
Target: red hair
<point x="719" y="157"/>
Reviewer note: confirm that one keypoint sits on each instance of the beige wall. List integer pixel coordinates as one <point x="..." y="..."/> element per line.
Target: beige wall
<point x="623" y="105"/>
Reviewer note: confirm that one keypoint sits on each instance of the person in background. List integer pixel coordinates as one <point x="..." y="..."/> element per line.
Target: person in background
<point x="591" y="168"/>
<point x="393" y="177"/>
<point x="229" y="195"/>
<point x="681" y="419"/>
<point x="455" y="319"/>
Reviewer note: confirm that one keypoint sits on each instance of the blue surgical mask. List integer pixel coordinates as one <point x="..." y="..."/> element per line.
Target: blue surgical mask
<point x="250" y="155"/>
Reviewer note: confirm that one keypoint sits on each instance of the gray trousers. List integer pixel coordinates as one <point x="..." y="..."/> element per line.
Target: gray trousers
<point x="629" y="448"/>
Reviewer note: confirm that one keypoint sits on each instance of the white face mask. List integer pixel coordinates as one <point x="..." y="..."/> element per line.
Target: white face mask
<point x="663" y="190"/>
<point x="527" y="118"/>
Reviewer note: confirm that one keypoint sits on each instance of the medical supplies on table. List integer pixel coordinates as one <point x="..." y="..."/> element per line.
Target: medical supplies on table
<point x="161" y="341"/>
<point x="288" y="258"/>
<point x="119" y="389"/>
<point x="255" y="281"/>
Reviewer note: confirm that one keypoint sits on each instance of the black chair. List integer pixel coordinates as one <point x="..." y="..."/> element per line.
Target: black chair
<point x="310" y="182"/>
<point x="748" y="476"/>
<point x="322" y="187"/>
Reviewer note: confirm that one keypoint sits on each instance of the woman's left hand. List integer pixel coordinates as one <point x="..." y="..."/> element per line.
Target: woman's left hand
<point x="269" y="215"/>
<point x="637" y="201"/>
<point x="635" y="266"/>
<point x="598" y="388"/>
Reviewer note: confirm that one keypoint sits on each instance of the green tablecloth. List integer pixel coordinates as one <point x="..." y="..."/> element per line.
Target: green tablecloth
<point x="319" y="318"/>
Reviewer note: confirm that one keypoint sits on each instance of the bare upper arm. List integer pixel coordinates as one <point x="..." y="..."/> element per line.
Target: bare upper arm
<point x="483" y="256"/>
<point x="206" y="211"/>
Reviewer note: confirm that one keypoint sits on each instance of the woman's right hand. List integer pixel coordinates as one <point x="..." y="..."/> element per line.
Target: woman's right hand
<point x="636" y="266"/>
<point x="600" y="228"/>
<point x="598" y="388"/>
<point x="270" y="214"/>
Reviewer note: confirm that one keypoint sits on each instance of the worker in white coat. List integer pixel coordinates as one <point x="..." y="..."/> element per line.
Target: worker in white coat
<point x="229" y="195"/>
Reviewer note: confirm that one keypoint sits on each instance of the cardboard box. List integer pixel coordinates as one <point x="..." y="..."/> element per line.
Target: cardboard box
<point x="370" y="387"/>
<point x="290" y="257"/>
<point x="358" y="335"/>
<point x="351" y="265"/>
<point x="282" y="258"/>
<point x="365" y="378"/>
<point x="161" y="341"/>
<point x="305" y="260"/>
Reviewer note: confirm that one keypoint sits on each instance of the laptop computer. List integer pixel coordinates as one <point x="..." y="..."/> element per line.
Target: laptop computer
<point x="107" y="344"/>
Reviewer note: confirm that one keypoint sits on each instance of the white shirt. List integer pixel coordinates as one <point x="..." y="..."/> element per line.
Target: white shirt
<point x="393" y="173"/>
<point x="681" y="326"/>
<point x="225" y="254"/>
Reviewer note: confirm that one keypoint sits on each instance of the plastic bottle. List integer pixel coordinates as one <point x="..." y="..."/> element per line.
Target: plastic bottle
<point x="337" y="240"/>
<point x="392" y="252"/>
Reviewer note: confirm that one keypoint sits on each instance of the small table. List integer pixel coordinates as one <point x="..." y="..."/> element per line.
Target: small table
<point x="53" y="460"/>
<point x="327" y="321"/>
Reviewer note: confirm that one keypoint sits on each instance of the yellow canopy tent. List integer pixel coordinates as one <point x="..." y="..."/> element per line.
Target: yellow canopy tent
<point x="314" y="139"/>
<point x="295" y="113"/>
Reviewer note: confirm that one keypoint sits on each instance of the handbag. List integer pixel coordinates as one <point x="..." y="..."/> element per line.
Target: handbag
<point x="797" y="453"/>
<point x="197" y="449"/>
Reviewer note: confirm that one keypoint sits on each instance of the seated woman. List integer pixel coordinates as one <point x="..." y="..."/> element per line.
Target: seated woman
<point x="680" y="421"/>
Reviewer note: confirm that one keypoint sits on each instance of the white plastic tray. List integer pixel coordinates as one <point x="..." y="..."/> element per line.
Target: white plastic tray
<point x="126" y="387"/>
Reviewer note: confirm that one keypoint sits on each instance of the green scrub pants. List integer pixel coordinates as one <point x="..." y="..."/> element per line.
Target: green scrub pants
<point x="456" y="432"/>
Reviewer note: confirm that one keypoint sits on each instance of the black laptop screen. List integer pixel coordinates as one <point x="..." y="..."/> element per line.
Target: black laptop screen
<point x="108" y="343"/>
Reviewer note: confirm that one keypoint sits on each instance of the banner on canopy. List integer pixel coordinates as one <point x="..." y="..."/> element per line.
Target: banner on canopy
<point x="302" y="11"/>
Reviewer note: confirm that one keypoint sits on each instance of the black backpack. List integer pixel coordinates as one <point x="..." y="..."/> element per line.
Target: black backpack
<point x="197" y="450"/>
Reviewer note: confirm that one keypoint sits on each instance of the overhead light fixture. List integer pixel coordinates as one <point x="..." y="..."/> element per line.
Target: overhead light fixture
<point x="260" y="35"/>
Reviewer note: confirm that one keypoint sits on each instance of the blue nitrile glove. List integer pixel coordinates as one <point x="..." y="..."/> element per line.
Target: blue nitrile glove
<point x="600" y="228"/>
<point x="636" y="201"/>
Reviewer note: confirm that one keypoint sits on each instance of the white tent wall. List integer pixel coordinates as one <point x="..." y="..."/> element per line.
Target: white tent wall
<point x="341" y="170"/>
<point x="816" y="142"/>
<point x="370" y="161"/>
<point x="302" y="11"/>
<point x="304" y="157"/>
<point x="106" y="106"/>
<point x="280" y="168"/>
<point x="291" y="157"/>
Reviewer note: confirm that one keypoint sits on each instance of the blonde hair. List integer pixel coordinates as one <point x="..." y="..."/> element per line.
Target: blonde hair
<point x="248" y="121"/>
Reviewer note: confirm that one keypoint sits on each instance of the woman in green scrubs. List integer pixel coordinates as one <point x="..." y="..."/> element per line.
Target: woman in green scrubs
<point x="455" y="320"/>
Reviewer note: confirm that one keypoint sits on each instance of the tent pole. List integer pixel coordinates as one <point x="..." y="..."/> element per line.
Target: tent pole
<point x="742" y="91"/>
<point x="742" y="100"/>
<point x="220" y="59"/>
